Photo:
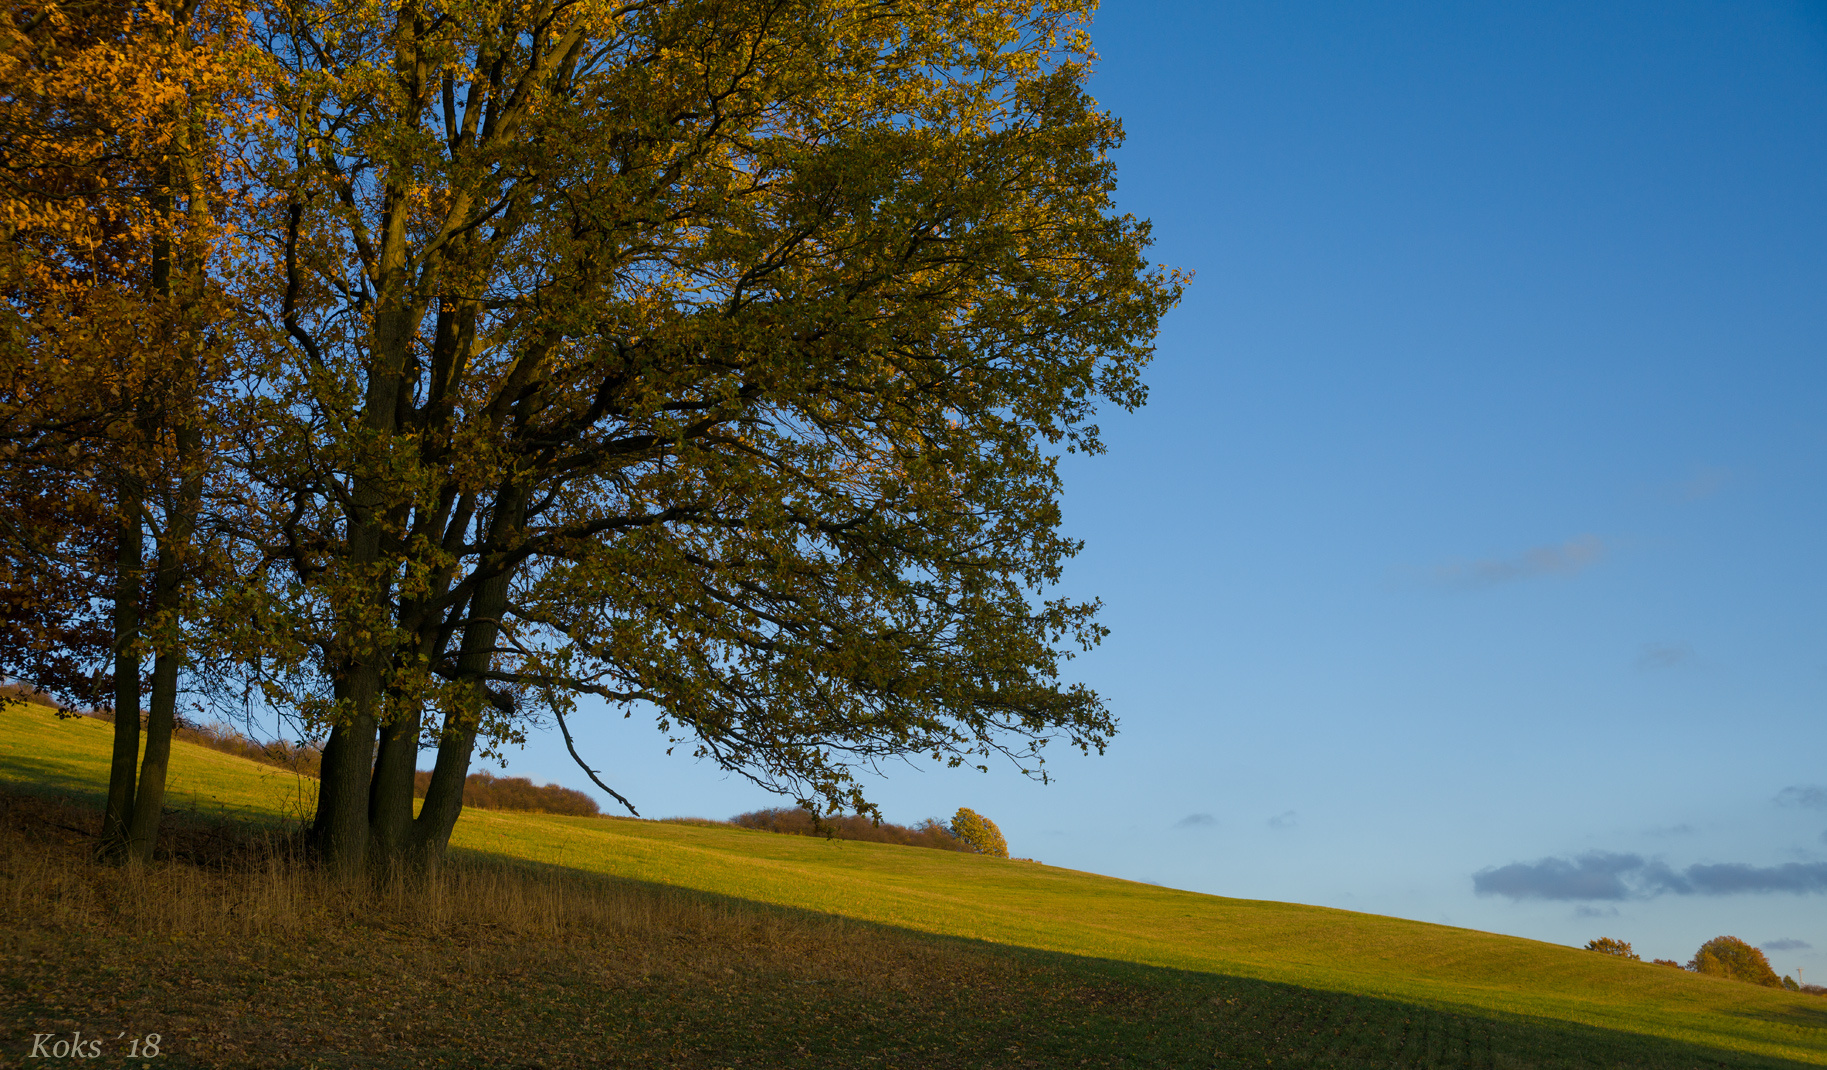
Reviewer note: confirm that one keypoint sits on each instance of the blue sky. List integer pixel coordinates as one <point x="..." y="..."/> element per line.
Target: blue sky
<point x="1472" y="537"/>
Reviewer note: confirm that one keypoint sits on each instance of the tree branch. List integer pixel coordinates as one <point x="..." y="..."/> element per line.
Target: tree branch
<point x="592" y="773"/>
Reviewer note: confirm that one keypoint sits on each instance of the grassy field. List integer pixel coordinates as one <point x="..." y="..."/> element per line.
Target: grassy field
<point x="648" y="943"/>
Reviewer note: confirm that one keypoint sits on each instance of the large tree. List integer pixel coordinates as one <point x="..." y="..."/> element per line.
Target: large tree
<point x="712" y="355"/>
<point x="115" y="249"/>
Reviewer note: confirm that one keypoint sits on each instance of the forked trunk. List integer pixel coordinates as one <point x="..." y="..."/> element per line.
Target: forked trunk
<point x="444" y="797"/>
<point x="341" y="828"/>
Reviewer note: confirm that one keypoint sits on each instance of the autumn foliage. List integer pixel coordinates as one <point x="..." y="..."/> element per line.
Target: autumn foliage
<point x="482" y="790"/>
<point x="488" y="792"/>
<point x="980" y="833"/>
<point x="798" y="821"/>
<point x="120" y="210"/>
<point x="1605" y="945"/>
<point x="1728" y="956"/>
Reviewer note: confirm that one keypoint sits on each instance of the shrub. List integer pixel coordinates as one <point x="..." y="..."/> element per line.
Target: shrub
<point x="1728" y="956"/>
<point x="303" y="758"/>
<point x="798" y="821"/>
<point x="486" y="792"/>
<point x="1605" y="945"/>
<point x="1667" y="962"/>
<point x="480" y="790"/>
<point x="980" y="833"/>
<point x="23" y="693"/>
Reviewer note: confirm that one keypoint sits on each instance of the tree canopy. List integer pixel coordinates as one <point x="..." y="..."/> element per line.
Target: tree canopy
<point x="707" y="357"/>
<point x="1728" y="956"/>
<point x="979" y="832"/>
<point x="1606" y="945"/>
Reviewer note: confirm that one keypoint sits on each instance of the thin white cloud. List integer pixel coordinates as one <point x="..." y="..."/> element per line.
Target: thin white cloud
<point x="1285" y="820"/>
<point x="1567" y="559"/>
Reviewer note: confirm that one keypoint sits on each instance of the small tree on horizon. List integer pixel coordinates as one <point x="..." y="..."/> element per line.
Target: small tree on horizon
<point x="1728" y="956"/>
<point x="1605" y="945"/>
<point x="980" y="832"/>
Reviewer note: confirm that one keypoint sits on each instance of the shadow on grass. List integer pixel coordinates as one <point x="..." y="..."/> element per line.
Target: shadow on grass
<point x="1162" y="1017"/>
<point x="823" y="991"/>
<point x="191" y="818"/>
<point x="41" y="777"/>
<point x="1802" y="1017"/>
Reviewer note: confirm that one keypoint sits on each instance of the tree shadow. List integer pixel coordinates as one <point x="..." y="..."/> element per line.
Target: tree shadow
<point x="988" y="1004"/>
<point x="1164" y="1017"/>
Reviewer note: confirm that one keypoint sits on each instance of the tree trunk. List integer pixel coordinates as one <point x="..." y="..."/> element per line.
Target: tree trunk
<point x="364" y="812"/>
<point x="344" y="800"/>
<point x="390" y="794"/>
<point x="128" y="561"/>
<point x="167" y="607"/>
<point x="149" y="803"/>
<point x="341" y="826"/>
<point x="444" y="797"/>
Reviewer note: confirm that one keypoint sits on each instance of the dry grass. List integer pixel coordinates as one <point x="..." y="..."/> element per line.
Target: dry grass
<point x="487" y="963"/>
<point x="237" y="954"/>
<point x="222" y="881"/>
<point x="225" y="882"/>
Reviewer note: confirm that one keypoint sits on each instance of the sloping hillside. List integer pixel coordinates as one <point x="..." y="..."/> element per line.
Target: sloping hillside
<point x="1445" y="970"/>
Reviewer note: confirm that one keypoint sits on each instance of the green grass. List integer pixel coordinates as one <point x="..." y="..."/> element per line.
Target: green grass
<point x="1218" y="979"/>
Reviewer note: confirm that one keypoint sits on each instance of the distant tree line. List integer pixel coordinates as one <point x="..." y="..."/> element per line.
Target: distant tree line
<point x="969" y="831"/>
<point x="515" y="793"/>
<point x="1722" y="956"/>
<point x="482" y="790"/>
<point x="798" y="821"/>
